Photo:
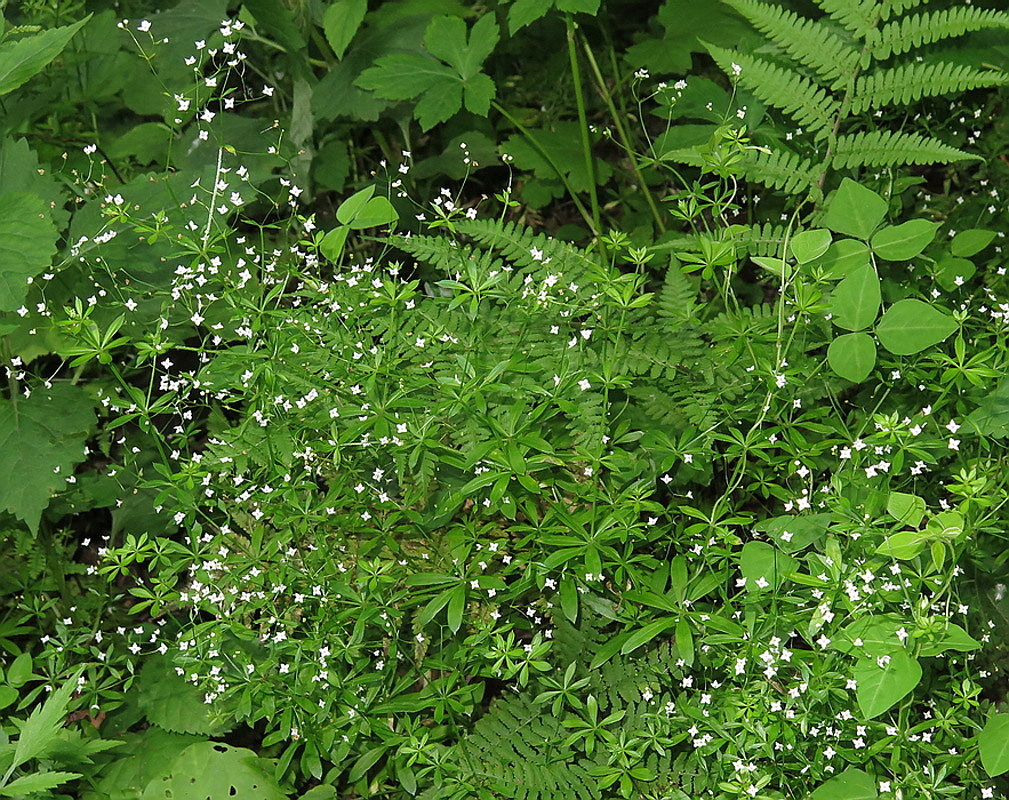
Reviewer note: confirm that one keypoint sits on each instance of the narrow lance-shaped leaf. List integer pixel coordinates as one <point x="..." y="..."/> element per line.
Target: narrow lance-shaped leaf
<point x="25" y="58"/>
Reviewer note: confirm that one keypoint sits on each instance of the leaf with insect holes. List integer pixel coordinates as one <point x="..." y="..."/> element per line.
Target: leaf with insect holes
<point x="214" y="771"/>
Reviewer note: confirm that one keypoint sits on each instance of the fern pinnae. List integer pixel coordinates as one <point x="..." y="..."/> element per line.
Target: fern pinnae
<point x="807" y="41"/>
<point x="908" y="83"/>
<point x="858" y="16"/>
<point x="806" y="102"/>
<point x="911" y="32"/>
<point x="781" y="169"/>
<point x="889" y="148"/>
<point x="892" y="8"/>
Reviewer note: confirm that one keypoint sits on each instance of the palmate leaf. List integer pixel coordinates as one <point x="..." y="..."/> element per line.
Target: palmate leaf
<point x="441" y="87"/>
<point x="808" y="104"/>
<point x="912" y="32"/>
<point x="41" y="439"/>
<point x="807" y="41"/>
<point x="909" y="83"/>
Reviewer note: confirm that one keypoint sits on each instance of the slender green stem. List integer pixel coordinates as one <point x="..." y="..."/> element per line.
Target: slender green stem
<point x="583" y="125"/>
<point x="553" y="164"/>
<point x="618" y="123"/>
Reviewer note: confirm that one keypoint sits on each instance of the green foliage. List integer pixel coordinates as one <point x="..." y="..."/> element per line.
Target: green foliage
<point x="827" y="80"/>
<point x="354" y="467"/>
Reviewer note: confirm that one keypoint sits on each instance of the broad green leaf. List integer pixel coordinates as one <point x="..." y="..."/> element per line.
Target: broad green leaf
<point x="578" y="6"/>
<point x="773" y="264"/>
<point x="993" y="745"/>
<point x="144" y="756"/>
<point x="904" y="241"/>
<point x="852" y="356"/>
<point x="646" y="634"/>
<point x="27" y="245"/>
<point x="764" y="566"/>
<point x="403" y="76"/>
<point x="446" y="39"/>
<point x="562" y="145"/>
<point x="41" y="729"/>
<point x="910" y="326"/>
<point x="810" y="245"/>
<point x="174" y="704"/>
<point x="523" y="12"/>
<point x="852" y="784"/>
<point x="953" y="638"/>
<point x="881" y="687"/>
<point x="855" y="301"/>
<point x="854" y="210"/>
<point x="20" y="671"/>
<point x="37" y="782"/>
<point x="991" y="417"/>
<point x="971" y="242"/>
<point x="215" y="771"/>
<point x="377" y="211"/>
<point x="793" y="534"/>
<point x="871" y="636"/>
<point x="438" y="104"/>
<point x="906" y="508"/>
<point x="952" y="272"/>
<point x="903" y="545"/>
<point x="341" y="21"/>
<point x="350" y="207"/>
<point x="332" y="243"/>
<point x="478" y="93"/>
<point x="26" y="57"/>
<point x="843" y="257"/>
<point x="945" y="525"/>
<point x="434" y="605"/>
<point x="41" y="439"/>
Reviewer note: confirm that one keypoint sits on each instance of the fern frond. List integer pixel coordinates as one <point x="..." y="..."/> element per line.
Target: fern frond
<point x="806" y="102"/>
<point x="512" y="751"/>
<point x="910" y="82"/>
<point x="780" y="169"/>
<point x="895" y="7"/>
<point x="917" y="30"/>
<point x="887" y="148"/>
<point x="809" y="42"/>
<point x="677" y="296"/>
<point x="858" y="16"/>
<point x="760" y="240"/>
